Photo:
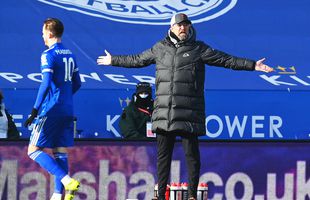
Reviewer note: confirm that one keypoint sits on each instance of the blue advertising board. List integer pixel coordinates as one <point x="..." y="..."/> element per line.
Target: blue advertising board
<point x="239" y="105"/>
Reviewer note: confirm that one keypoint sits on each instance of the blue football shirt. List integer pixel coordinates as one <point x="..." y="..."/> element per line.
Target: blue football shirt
<point x="60" y="81"/>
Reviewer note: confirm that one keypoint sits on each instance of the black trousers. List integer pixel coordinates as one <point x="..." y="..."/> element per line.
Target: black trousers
<point x="165" y="144"/>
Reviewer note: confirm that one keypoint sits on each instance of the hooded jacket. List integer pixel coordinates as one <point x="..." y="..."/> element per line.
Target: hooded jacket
<point x="179" y="106"/>
<point x="133" y="119"/>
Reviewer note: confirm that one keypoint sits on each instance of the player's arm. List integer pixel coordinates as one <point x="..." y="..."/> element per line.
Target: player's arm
<point x="47" y="70"/>
<point x="43" y="90"/>
<point x="47" y="75"/>
<point x="76" y="80"/>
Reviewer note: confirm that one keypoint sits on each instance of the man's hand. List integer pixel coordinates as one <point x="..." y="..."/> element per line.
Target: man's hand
<point x="260" y="66"/>
<point x="32" y="116"/>
<point x="104" y="60"/>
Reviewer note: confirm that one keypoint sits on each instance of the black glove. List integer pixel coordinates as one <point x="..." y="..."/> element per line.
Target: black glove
<point x="33" y="115"/>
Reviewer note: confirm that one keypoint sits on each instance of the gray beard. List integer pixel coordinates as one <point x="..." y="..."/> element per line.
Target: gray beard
<point x="182" y="37"/>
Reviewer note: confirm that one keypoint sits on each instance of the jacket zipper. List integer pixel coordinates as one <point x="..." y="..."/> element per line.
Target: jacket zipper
<point x="194" y="76"/>
<point x="171" y="89"/>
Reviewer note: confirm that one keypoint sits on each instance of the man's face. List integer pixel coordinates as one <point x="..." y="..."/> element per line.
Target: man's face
<point x="181" y="30"/>
<point x="45" y="35"/>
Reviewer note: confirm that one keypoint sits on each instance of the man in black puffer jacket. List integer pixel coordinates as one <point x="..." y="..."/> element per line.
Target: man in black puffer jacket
<point x="179" y="107"/>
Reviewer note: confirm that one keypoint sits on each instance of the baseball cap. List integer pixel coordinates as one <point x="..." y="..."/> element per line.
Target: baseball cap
<point x="144" y="87"/>
<point x="178" y="18"/>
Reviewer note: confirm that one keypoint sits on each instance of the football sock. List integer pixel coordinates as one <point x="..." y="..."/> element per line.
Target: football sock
<point x="47" y="163"/>
<point x="62" y="160"/>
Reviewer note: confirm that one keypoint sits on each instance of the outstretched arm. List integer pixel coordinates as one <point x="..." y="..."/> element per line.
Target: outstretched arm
<point x="260" y="66"/>
<point x="215" y="57"/>
<point x="105" y="60"/>
<point x="143" y="59"/>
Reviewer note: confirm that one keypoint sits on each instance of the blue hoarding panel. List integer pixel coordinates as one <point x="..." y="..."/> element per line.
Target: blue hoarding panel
<point x="252" y="115"/>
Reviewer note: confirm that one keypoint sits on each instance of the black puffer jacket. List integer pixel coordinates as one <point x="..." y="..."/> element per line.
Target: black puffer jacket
<point x="179" y="106"/>
<point x="133" y="121"/>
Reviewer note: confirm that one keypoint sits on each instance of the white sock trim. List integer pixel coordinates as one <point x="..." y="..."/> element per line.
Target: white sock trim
<point x="56" y="196"/>
<point x="66" y="180"/>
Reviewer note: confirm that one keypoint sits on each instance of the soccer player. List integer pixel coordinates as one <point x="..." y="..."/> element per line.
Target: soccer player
<point x="54" y="126"/>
